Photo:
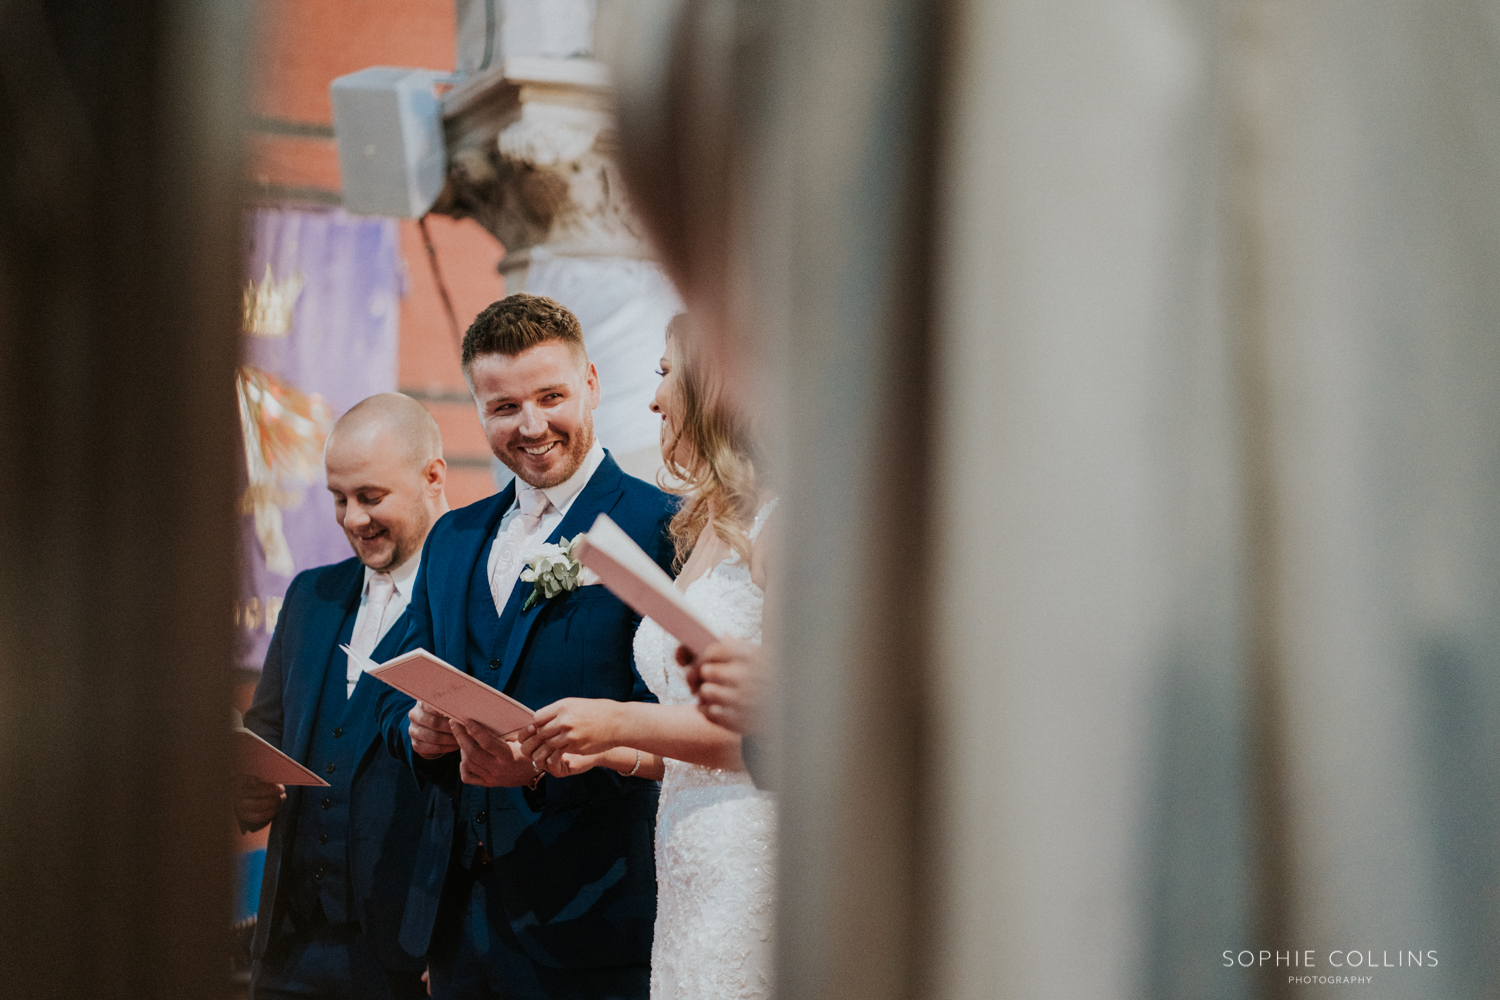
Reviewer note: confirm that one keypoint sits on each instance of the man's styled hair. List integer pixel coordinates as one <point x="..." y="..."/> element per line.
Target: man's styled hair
<point x="518" y="322"/>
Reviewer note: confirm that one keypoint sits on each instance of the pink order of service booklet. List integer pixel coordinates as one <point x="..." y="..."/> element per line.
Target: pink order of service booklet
<point x="449" y="690"/>
<point x="259" y="759"/>
<point x="635" y="578"/>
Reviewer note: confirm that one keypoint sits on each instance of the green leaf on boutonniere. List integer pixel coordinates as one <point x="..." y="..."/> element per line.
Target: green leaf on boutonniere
<point x="552" y="571"/>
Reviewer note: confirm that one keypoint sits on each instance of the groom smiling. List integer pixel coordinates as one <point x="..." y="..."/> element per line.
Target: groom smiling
<point x="528" y="885"/>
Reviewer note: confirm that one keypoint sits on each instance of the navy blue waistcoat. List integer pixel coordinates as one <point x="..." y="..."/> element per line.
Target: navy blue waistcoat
<point x="375" y="805"/>
<point x="487" y="639"/>
<point x="318" y="869"/>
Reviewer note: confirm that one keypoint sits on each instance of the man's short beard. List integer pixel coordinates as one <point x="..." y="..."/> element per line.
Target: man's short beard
<point x="402" y="549"/>
<point x="578" y="450"/>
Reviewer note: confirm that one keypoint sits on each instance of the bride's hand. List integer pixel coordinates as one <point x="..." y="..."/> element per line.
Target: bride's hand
<point x="730" y="682"/>
<point x="573" y="725"/>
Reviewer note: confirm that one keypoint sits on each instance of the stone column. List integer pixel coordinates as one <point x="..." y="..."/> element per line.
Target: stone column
<point x="530" y="135"/>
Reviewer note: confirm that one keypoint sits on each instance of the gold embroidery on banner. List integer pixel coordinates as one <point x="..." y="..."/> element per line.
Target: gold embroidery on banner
<point x="284" y="430"/>
<point x="248" y="613"/>
<point x="268" y="305"/>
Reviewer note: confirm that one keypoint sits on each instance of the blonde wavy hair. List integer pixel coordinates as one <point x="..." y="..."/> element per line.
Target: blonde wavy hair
<point x="720" y="476"/>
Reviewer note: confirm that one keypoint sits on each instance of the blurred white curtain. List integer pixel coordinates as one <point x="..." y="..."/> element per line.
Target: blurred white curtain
<point x="1218" y="363"/>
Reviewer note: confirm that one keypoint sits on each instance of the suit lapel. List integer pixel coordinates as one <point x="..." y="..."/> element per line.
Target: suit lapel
<point x="598" y="495"/>
<point x="305" y="683"/>
<point x="471" y="545"/>
<point x="388" y="646"/>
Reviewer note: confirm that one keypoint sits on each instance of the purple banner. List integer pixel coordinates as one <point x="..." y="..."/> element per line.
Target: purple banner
<point x="321" y="306"/>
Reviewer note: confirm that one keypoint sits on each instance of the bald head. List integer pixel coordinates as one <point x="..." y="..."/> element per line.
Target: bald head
<point x="384" y="460"/>
<point x="406" y="422"/>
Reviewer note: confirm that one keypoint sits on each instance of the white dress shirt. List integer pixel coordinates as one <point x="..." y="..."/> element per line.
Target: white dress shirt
<point x="562" y="496"/>
<point x="403" y="577"/>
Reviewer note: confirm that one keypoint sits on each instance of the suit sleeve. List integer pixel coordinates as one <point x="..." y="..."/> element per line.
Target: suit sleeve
<point x="267" y="713"/>
<point x="392" y="706"/>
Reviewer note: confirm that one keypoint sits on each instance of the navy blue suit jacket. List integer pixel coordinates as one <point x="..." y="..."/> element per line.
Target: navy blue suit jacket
<point x="385" y="802"/>
<point x="554" y="849"/>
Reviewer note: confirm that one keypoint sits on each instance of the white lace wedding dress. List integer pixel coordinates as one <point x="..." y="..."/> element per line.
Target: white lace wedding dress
<point x="715" y="832"/>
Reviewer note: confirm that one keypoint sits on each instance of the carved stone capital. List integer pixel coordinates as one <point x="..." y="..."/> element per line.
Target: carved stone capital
<point x="529" y="152"/>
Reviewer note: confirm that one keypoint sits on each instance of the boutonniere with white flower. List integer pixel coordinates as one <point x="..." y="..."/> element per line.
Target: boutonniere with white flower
<point x="554" y="570"/>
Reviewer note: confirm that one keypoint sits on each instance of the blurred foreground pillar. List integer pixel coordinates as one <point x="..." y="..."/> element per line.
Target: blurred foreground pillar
<point x="1093" y="833"/>
<point x="1220" y="448"/>
<point x="846" y="196"/>
<point x="119" y="247"/>
<point x="1136" y="372"/>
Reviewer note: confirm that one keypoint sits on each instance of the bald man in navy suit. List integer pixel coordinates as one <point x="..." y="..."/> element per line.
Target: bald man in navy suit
<point x="339" y="861"/>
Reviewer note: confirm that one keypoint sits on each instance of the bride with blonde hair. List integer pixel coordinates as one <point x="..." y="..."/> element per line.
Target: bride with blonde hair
<point x="715" y="831"/>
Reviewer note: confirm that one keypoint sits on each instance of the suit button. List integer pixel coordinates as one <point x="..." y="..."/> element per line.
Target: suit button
<point x="481" y="816"/>
<point x="494" y="664"/>
<point x="338" y="731"/>
<point x="326" y="803"/>
<point x="332" y="767"/>
<point x="318" y="872"/>
<point x="322" y="838"/>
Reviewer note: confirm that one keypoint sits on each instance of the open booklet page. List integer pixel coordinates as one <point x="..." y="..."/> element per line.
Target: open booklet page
<point x="635" y="578"/>
<point x="449" y="690"/>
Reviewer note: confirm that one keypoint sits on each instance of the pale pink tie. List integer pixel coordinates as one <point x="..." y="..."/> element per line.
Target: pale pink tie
<point x="512" y="541"/>
<point x="367" y="636"/>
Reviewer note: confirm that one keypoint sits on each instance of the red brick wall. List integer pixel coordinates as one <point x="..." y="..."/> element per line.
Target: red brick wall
<point x="299" y="48"/>
<point x="427" y="365"/>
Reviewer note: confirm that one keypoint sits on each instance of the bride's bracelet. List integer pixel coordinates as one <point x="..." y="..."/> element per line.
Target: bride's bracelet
<point x="631" y="772"/>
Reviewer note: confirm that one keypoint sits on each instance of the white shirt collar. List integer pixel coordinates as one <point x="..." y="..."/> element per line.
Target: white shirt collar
<point x="563" y="494"/>
<point x="403" y="576"/>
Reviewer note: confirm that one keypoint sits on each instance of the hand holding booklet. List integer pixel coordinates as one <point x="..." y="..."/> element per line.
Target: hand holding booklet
<point x="449" y="690"/>
<point x="635" y="578"/>
<point x="259" y="759"/>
